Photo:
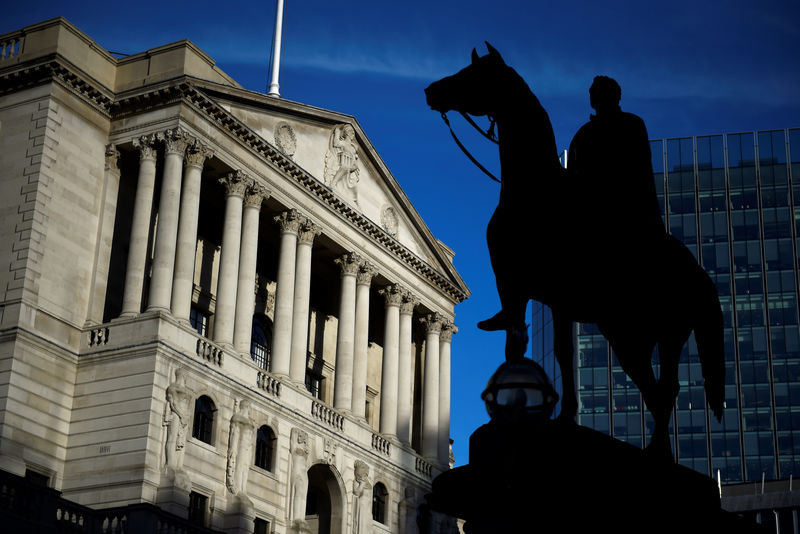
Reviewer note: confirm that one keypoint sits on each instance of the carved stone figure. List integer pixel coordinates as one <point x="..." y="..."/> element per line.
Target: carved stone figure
<point x="299" y="481"/>
<point x="285" y="139"/>
<point x="389" y="220"/>
<point x="240" y="448"/>
<point x="341" y="162"/>
<point x="362" y="498"/>
<point x="176" y="420"/>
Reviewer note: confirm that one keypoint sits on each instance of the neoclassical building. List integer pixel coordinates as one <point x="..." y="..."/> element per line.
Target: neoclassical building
<point x="218" y="304"/>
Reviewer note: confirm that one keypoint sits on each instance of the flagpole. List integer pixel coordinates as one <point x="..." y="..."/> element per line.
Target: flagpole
<point x="276" y="47"/>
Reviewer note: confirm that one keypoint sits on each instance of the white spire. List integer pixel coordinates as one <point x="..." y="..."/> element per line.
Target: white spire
<point x="276" y="51"/>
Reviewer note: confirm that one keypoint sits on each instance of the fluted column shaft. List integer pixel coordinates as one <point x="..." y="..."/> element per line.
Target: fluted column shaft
<point x="405" y="371"/>
<point x="248" y="253"/>
<point x="225" y="311"/>
<point x="140" y="227"/>
<point x="391" y="352"/>
<point x="104" y="237"/>
<point x="302" y="293"/>
<point x="183" y="279"/>
<point x="289" y="222"/>
<point x="345" y="336"/>
<point x="444" y="392"/>
<point x="361" y="340"/>
<point x="430" y="406"/>
<point x="167" y="231"/>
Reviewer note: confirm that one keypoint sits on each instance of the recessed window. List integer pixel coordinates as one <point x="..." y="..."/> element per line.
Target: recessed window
<point x="259" y="343"/>
<point x="379" y="496"/>
<point x="261" y="526"/>
<point x="265" y="448"/>
<point x="198" y="504"/>
<point x="37" y="478"/>
<point x="314" y="384"/>
<point x="203" y="419"/>
<point x="199" y="321"/>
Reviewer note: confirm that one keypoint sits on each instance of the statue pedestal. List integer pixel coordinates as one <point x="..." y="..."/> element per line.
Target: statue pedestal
<point x="562" y="477"/>
<point x="173" y="493"/>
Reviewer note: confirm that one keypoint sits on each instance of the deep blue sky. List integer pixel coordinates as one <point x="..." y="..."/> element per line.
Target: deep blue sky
<point x="686" y="67"/>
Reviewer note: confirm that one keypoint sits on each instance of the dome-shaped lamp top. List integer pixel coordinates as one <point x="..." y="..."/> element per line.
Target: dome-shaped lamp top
<point x="519" y="391"/>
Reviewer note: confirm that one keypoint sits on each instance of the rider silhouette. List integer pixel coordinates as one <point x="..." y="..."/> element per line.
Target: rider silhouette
<point x="610" y="159"/>
<point x="610" y="162"/>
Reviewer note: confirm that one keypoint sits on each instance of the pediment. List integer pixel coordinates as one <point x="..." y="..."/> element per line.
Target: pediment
<point x="334" y="150"/>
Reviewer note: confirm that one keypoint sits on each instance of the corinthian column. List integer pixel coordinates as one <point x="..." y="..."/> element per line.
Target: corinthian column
<point x="343" y="379"/>
<point x="289" y="222"/>
<point x="245" y="293"/>
<point x="391" y="350"/>
<point x="175" y="142"/>
<point x="405" y="371"/>
<point x="104" y="236"/>
<point x="235" y="185"/>
<point x="140" y="227"/>
<point x="430" y="406"/>
<point x="361" y="339"/>
<point x="448" y="330"/>
<point x="302" y="288"/>
<point x="183" y="281"/>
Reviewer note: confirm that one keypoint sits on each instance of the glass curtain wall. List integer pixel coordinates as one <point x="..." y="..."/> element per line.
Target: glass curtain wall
<point x="734" y="200"/>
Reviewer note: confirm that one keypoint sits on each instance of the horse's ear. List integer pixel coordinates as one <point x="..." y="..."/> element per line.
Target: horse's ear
<point x="493" y="52"/>
<point x="474" y="55"/>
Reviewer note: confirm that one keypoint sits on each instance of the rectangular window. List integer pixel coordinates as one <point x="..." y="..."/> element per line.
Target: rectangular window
<point x="314" y="384"/>
<point x="198" y="504"/>
<point x="199" y="321"/>
<point x="36" y="478"/>
<point x="261" y="526"/>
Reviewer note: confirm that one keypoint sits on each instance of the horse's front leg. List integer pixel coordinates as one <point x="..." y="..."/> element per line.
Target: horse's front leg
<point x="564" y="349"/>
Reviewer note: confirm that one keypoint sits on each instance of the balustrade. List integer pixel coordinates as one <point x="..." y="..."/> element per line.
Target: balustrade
<point x="11" y="47"/>
<point x="423" y="467"/>
<point x="209" y="351"/>
<point x="269" y="384"/>
<point x="381" y="444"/>
<point x="327" y="415"/>
<point x="98" y="336"/>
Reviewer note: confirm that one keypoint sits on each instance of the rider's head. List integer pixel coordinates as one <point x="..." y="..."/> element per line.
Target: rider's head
<point x="604" y="94"/>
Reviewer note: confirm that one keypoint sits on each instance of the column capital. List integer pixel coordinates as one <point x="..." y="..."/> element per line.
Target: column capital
<point x="350" y="263"/>
<point x="433" y="323"/>
<point x="112" y="157"/>
<point x="289" y="221"/>
<point x="175" y="141"/>
<point x="255" y="195"/>
<point x="235" y="183"/>
<point x="146" y="146"/>
<point x="307" y="232"/>
<point x="410" y="302"/>
<point x="393" y="294"/>
<point x="365" y="273"/>
<point x="197" y="153"/>
<point x="448" y="329"/>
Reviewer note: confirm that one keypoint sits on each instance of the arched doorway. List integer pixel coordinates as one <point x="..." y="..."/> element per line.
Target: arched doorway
<point x="325" y="508"/>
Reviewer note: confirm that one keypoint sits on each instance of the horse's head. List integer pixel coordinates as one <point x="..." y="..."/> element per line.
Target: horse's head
<point x="467" y="90"/>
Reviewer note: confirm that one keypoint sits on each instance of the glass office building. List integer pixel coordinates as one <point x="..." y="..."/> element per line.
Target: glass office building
<point x="734" y="200"/>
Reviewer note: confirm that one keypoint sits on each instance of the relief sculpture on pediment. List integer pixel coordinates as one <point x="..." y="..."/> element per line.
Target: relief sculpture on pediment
<point x="285" y="139"/>
<point x="341" y="162"/>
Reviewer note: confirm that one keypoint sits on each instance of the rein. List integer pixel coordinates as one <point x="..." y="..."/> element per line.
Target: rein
<point x="489" y="134"/>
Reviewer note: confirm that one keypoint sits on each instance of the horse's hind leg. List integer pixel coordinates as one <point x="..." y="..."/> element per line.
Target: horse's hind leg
<point x="668" y="387"/>
<point x="564" y="349"/>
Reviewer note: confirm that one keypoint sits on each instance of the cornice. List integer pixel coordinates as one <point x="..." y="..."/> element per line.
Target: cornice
<point x="54" y="68"/>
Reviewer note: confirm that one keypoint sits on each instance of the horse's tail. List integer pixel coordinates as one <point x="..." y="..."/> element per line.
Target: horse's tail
<point x="709" y="335"/>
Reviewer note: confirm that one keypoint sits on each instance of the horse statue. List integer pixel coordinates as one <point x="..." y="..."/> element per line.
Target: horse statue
<point x="581" y="272"/>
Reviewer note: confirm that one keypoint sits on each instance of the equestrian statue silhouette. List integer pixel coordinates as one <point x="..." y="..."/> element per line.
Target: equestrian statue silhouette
<point x="588" y="243"/>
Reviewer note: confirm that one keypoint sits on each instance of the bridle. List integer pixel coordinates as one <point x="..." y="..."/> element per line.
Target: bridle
<point x="488" y="134"/>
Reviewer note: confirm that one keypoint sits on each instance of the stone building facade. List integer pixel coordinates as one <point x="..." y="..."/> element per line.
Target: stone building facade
<point x="217" y="302"/>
